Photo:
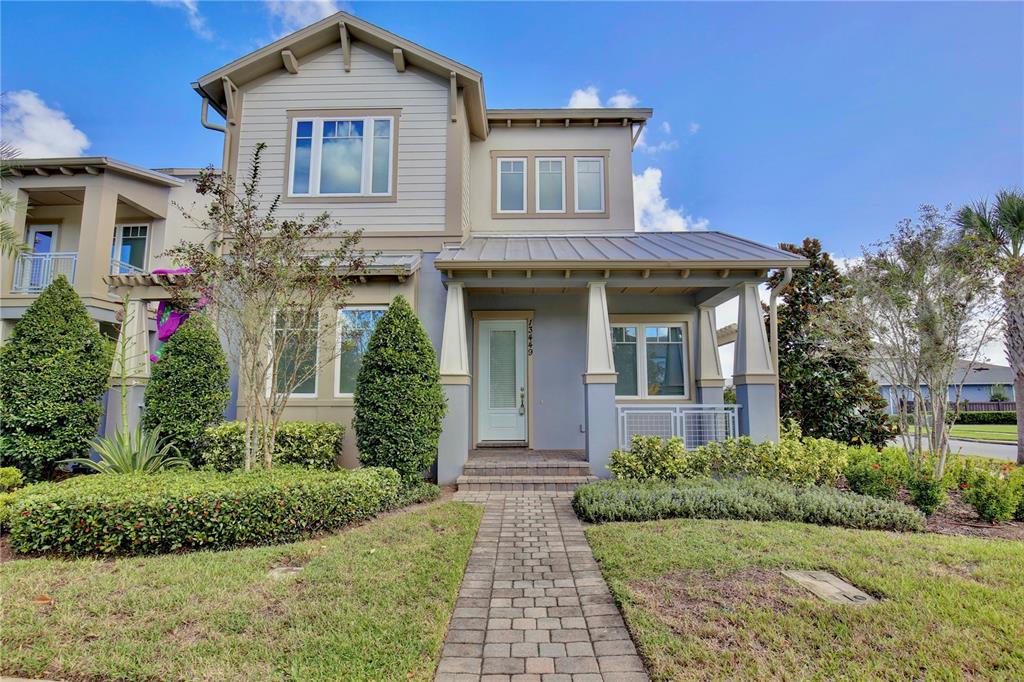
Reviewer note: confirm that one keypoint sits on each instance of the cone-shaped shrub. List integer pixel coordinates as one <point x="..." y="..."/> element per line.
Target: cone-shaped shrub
<point x="53" y="371"/>
<point x="189" y="387"/>
<point x="398" y="400"/>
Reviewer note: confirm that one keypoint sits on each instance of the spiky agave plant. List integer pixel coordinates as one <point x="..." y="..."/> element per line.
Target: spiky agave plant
<point x="132" y="452"/>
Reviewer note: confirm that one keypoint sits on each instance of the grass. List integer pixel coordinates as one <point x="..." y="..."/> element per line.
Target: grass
<point x="370" y="603"/>
<point x="704" y="600"/>
<point x="995" y="432"/>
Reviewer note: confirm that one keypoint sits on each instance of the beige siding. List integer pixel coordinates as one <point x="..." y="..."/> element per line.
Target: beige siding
<point x="322" y="83"/>
<point x="466" y="178"/>
<point x="616" y="140"/>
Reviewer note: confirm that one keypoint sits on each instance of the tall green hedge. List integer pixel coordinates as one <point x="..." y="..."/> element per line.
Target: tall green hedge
<point x="398" y="400"/>
<point x="189" y="387"/>
<point x="53" y="371"/>
<point x="998" y="417"/>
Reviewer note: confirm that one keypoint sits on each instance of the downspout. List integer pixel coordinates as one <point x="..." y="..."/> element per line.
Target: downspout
<point x="205" y="121"/>
<point x="773" y="315"/>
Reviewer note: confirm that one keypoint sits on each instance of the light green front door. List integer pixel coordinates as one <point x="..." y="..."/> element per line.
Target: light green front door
<point x="501" y="396"/>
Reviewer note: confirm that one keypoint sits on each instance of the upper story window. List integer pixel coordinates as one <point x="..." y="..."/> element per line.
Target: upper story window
<point x="342" y="156"/>
<point x="128" y="253"/>
<point x="650" y="360"/>
<point x="550" y="185"/>
<point x="511" y="185"/>
<point x="589" y="184"/>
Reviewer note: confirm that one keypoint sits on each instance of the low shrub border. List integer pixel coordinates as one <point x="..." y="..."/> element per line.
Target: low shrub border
<point x="1000" y="417"/>
<point x="748" y="499"/>
<point x="175" y="511"/>
<point x="314" y="445"/>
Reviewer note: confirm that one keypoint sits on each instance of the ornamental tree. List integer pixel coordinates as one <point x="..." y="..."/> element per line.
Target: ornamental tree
<point x="398" y="398"/>
<point x="188" y="390"/>
<point x="55" y="370"/>
<point x="823" y="383"/>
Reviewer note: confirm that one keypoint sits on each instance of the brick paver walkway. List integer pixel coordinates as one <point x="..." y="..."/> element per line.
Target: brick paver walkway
<point x="533" y="606"/>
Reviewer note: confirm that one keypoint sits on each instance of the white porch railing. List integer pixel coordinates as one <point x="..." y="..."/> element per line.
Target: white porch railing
<point x="120" y="267"/>
<point x="695" y="424"/>
<point x="33" y="272"/>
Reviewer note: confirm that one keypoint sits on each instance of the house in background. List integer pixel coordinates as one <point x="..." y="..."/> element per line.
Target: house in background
<point x="979" y="380"/>
<point x="559" y="329"/>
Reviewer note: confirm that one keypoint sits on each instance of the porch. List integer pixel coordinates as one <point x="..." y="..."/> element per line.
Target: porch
<point x="550" y="353"/>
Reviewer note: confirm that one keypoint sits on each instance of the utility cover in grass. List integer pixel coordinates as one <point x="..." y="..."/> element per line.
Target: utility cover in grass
<point x="829" y="588"/>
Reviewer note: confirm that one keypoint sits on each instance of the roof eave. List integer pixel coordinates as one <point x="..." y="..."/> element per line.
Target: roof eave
<point x="105" y="162"/>
<point x="666" y="264"/>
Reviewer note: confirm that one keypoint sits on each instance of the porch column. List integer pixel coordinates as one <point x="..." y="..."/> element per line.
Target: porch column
<point x="96" y="239"/>
<point x="453" y="445"/>
<point x="710" y="383"/>
<point x="133" y="343"/>
<point x="600" y="421"/>
<point x="753" y="371"/>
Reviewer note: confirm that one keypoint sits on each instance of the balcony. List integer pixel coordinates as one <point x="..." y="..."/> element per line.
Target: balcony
<point x="695" y="424"/>
<point x="33" y="272"/>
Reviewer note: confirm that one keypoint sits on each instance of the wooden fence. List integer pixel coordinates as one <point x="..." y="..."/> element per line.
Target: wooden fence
<point x="965" y="406"/>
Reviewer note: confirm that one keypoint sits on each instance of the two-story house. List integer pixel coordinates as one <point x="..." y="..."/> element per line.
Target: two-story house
<point x="558" y="326"/>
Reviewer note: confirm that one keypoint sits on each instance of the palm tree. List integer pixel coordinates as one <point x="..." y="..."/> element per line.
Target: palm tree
<point x="10" y="241"/>
<point x="1002" y="226"/>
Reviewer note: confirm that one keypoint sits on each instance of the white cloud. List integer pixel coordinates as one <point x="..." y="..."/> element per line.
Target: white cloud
<point x="196" y="21"/>
<point x="694" y="127"/>
<point x="666" y="127"/>
<point x="37" y="130"/>
<point x="663" y="146"/>
<point x="585" y="98"/>
<point x="651" y="209"/>
<point x="291" y="15"/>
<point x="623" y="100"/>
<point x="844" y="264"/>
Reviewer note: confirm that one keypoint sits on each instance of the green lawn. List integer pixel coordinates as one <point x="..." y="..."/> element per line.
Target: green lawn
<point x="704" y="600"/>
<point x="1006" y="432"/>
<point x="371" y="603"/>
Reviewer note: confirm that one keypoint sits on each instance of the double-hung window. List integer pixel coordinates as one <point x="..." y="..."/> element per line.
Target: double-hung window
<point x="297" y="353"/>
<point x="355" y="326"/>
<point x="650" y="360"/>
<point x="342" y="156"/>
<point x="550" y="185"/>
<point x="588" y="184"/>
<point x="511" y="185"/>
<point x="128" y="254"/>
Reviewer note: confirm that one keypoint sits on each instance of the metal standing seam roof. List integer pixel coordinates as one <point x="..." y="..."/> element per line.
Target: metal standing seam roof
<point x="652" y="248"/>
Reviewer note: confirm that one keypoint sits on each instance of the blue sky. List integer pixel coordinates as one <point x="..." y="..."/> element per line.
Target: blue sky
<point x="783" y="119"/>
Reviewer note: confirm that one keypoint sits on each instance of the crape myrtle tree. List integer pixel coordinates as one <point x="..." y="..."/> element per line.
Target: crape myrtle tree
<point x="274" y="285"/>
<point x="1000" y="228"/>
<point x="927" y="298"/>
<point x="823" y="381"/>
<point x="54" y="369"/>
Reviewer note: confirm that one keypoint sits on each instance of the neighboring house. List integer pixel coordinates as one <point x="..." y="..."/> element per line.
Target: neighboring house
<point x="511" y="232"/>
<point x="978" y="378"/>
<point x="88" y="217"/>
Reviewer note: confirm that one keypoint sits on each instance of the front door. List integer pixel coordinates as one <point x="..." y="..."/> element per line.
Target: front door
<point x="501" y="396"/>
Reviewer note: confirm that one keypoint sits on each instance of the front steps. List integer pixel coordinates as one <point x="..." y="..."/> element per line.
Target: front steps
<point x="521" y="470"/>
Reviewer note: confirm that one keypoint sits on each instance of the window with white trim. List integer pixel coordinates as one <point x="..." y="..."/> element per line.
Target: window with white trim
<point x="128" y="253"/>
<point x="355" y="326"/>
<point x="550" y="185"/>
<point x="297" y="351"/>
<point x="651" y="360"/>
<point x="342" y="156"/>
<point x="512" y="185"/>
<point x="588" y="184"/>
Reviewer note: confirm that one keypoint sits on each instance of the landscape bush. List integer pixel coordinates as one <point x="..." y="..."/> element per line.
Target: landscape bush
<point x="994" y="498"/>
<point x="189" y="388"/>
<point x="10" y="478"/>
<point x="191" y="510"/>
<point x="313" y="445"/>
<point x="794" y="460"/>
<point x="1000" y="417"/>
<point x="398" y="398"/>
<point x="927" y="492"/>
<point x="742" y="499"/>
<point x="56" y="368"/>
<point x="878" y="473"/>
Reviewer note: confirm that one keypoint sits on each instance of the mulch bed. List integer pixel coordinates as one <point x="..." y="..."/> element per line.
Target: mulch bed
<point x="958" y="518"/>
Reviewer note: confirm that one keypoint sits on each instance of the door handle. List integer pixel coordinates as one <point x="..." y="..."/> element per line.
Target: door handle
<point x="522" y="400"/>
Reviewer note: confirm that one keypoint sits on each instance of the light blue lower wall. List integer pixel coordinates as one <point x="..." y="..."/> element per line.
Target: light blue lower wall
<point x="602" y="432"/>
<point x="454" y="444"/>
<point x="757" y="416"/>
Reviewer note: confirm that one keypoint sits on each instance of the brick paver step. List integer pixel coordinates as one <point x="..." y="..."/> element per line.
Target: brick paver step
<point x="522" y="483"/>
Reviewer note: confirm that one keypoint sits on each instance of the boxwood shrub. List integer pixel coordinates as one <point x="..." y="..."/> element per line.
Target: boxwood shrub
<point x="174" y="511"/>
<point x="1001" y="417"/>
<point x="314" y="445"/>
<point x="748" y="499"/>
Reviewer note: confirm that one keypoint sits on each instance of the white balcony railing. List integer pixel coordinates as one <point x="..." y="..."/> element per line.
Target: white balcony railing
<point x="33" y="272"/>
<point x="695" y="424"/>
<point x="120" y="267"/>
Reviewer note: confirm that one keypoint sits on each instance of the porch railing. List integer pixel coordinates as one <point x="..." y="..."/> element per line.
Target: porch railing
<point x="695" y="424"/>
<point x="33" y="272"/>
<point x="120" y="267"/>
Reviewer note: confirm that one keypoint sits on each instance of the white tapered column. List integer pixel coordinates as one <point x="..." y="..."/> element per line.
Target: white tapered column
<point x="710" y="382"/>
<point x="753" y="371"/>
<point x="454" y="443"/>
<point x="599" y="383"/>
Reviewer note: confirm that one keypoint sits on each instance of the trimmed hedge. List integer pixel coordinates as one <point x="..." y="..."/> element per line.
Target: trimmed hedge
<point x="10" y="478"/>
<point x="747" y="499"/>
<point x="314" y="445"/>
<point x="175" y="511"/>
<point x="189" y="387"/>
<point x="1002" y="417"/>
